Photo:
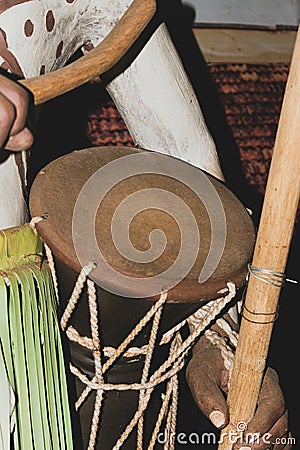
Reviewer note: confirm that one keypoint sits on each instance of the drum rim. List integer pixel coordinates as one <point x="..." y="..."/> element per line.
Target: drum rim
<point x="186" y="291"/>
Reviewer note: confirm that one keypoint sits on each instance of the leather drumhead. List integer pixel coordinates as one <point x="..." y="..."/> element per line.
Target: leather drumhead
<point x="149" y="221"/>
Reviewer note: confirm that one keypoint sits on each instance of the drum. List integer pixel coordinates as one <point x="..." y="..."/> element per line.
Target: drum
<point x="140" y="242"/>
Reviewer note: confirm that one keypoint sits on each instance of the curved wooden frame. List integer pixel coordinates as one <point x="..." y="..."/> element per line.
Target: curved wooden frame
<point x="104" y="56"/>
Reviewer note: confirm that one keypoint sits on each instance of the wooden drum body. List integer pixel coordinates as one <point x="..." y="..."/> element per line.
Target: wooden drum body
<point x="147" y="225"/>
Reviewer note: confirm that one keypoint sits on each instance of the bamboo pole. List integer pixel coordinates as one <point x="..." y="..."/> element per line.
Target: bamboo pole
<point x="271" y="251"/>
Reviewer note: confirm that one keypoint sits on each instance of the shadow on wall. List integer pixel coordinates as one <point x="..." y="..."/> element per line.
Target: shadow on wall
<point x="180" y="20"/>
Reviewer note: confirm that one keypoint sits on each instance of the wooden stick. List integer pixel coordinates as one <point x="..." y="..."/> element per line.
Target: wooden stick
<point x="271" y="251"/>
<point x="104" y="56"/>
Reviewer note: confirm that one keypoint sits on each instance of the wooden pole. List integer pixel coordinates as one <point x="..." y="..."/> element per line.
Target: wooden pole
<point x="94" y="63"/>
<point x="271" y="251"/>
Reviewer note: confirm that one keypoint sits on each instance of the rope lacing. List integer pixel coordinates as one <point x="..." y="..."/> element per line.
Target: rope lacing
<point x="167" y="372"/>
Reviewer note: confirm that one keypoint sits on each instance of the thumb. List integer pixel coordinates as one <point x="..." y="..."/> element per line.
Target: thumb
<point x="205" y="374"/>
<point x="20" y="141"/>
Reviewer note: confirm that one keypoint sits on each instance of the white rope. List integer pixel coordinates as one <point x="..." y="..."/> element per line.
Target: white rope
<point x="195" y="319"/>
<point x="52" y="270"/>
<point x="97" y="359"/>
<point x="226" y="352"/>
<point x="108" y="351"/>
<point x="167" y="372"/>
<point x="49" y="255"/>
<point x="230" y="333"/>
<point x="123" y="346"/>
<point x="215" y="338"/>
<point x="152" y="340"/>
<point x="82" y="277"/>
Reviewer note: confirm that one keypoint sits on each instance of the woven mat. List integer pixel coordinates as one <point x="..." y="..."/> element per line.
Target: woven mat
<point x="251" y="96"/>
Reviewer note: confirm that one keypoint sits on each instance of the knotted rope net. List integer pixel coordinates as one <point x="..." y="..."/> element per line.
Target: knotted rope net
<point x="168" y="370"/>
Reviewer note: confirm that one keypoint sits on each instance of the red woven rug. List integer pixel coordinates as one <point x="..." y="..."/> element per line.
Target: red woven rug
<point x="251" y="96"/>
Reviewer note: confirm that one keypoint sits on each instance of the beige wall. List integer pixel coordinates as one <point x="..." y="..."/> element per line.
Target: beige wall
<point x="222" y="45"/>
<point x="247" y="12"/>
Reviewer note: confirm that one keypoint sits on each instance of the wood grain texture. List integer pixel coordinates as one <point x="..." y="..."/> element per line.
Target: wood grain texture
<point x="271" y="252"/>
<point x="98" y="60"/>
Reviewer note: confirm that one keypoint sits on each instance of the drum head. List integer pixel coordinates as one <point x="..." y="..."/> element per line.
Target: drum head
<point x="150" y="222"/>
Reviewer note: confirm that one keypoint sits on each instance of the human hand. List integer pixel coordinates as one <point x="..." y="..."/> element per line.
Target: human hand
<point x="14" y="101"/>
<point x="208" y="381"/>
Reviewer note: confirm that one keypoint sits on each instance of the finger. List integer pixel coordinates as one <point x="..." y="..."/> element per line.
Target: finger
<point x="18" y="96"/>
<point x="275" y="438"/>
<point x="287" y="442"/>
<point x="270" y="420"/>
<point x="279" y="432"/>
<point x="205" y="374"/>
<point x="21" y="141"/>
<point x="271" y="404"/>
<point x="7" y="118"/>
